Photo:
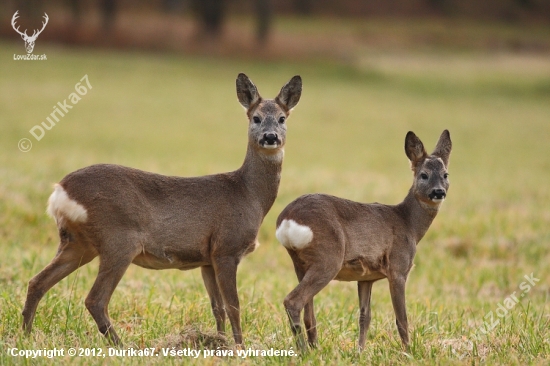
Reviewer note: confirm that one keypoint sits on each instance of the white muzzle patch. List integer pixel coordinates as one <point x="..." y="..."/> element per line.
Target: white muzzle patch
<point x="270" y="147"/>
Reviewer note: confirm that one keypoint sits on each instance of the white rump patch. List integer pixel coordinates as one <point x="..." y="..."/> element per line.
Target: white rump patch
<point x="293" y="235"/>
<point x="60" y="205"/>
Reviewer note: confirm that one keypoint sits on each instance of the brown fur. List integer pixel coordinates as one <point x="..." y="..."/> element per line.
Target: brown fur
<point x="360" y="242"/>
<point x="161" y="222"/>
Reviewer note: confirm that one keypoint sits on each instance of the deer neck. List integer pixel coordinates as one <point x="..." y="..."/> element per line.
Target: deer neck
<point x="418" y="215"/>
<point x="261" y="174"/>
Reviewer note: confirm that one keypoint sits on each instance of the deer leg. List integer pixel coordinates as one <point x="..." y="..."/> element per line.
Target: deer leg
<point x="397" y="291"/>
<point x="309" y="314"/>
<point x="111" y="269"/>
<point x="364" y="289"/>
<point x="64" y="263"/>
<point x="209" y="278"/>
<point x="314" y="280"/>
<point x="226" y="275"/>
<point x="310" y="323"/>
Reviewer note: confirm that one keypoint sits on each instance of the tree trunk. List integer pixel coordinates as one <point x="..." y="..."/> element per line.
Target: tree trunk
<point x="108" y="12"/>
<point x="211" y="14"/>
<point x="303" y="7"/>
<point x="265" y="13"/>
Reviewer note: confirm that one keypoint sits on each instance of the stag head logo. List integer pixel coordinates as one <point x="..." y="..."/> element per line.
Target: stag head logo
<point x="29" y="40"/>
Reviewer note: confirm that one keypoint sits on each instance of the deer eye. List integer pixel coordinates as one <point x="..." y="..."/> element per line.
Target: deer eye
<point x="257" y="119"/>
<point x="446" y="175"/>
<point x="423" y="176"/>
<point x="282" y="119"/>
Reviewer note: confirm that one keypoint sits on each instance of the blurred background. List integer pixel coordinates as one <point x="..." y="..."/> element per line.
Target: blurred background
<point x="162" y="99"/>
<point x="288" y="29"/>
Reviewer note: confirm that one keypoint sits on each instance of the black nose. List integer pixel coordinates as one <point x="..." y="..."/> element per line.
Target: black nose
<point x="270" y="138"/>
<point x="439" y="193"/>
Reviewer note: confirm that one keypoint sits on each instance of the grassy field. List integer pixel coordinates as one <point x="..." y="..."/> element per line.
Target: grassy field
<point x="179" y="115"/>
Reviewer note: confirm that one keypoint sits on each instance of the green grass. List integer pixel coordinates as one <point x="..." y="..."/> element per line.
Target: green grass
<point x="179" y="115"/>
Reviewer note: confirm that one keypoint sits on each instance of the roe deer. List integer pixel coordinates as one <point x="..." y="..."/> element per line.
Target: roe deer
<point x="331" y="238"/>
<point x="125" y="216"/>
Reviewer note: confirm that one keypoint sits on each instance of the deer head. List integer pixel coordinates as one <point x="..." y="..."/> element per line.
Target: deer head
<point x="29" y="41"/>
<point x="267" y="127"/>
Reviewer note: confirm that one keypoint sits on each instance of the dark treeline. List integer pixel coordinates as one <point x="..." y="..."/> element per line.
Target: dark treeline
<point x="211" y="14"/>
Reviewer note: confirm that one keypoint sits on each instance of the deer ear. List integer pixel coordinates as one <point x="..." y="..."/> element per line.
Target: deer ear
<point x="444" y="147"/>
<point x="247" y="92"/>
<point x="414" y="149"/>
<point x="290" y="93"/>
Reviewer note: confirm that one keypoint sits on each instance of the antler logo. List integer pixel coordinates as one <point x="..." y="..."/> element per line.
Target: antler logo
<point x="29" y="41"/>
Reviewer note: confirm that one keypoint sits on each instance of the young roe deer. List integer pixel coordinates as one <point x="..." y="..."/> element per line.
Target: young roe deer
<point x="331" y="238"/>
<point x="125" y="216"/>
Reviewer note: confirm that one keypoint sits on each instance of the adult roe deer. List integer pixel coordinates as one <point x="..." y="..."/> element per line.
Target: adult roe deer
<point x="125" y="216"/>
<point x="331" y="238"/>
